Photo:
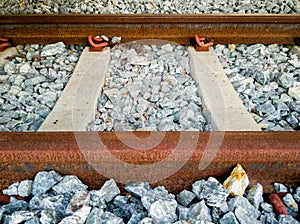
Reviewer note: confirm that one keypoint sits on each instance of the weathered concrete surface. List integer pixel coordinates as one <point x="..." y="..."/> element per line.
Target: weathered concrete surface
<point x="223" y="107"/>
<point x="78" y="102"/>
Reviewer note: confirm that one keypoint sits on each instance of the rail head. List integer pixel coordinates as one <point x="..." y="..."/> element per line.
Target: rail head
<point x="267" y="157"/>
<point x="149" y="18"/>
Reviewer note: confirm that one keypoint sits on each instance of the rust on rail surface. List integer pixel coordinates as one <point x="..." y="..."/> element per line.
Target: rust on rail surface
<point x="267" y="157"/>
<point x="222" y="28"/>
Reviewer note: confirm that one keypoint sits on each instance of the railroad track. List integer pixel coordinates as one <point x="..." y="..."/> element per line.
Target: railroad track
<point x="267" y="157"/>
<point x="224" y="29"/>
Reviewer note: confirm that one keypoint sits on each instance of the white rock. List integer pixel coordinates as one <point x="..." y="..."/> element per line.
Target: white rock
<point x="294" y="92"/>
<point x="237" y="182"/>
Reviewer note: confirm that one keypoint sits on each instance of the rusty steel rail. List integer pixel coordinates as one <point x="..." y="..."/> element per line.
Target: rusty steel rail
<point x="74" y="29"/>
<point x="267" y="157"/>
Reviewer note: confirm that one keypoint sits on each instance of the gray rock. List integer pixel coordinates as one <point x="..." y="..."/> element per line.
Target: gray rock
<point x="280" y="188"/>
<point x="136" y="218"/>
<point x="110" y="190"/>
<point x="146" y="220"/>
<point x="286" y="80"/>
<point x="138" y="189"/>
<point x="50" y="216"/>
<point x="35" y="80"/>
<point x="287" y="219"/>
<point x="163" y="212"/>
<point x="44" y="180"/>
<point x="245" y="208"/>
<point x="297" y="195"/>
<point x="229" y="218"/>
<point x="116" y="40"/>
<point x="295" y="92"/>
<point x="69" y="184"/>
<point x="214" y="193"/>
<point x="268" y="218"/>
<point x="291" y="204"/>
<point x="110" y="218"/>
<point x="25" y="188"/>
<point x="79" y="217"/>
<point x="25" y="68"/>
<point x="199" y="212"/>
<point x="56" y="202"/>
<point x="120" y="200"/>
<point x="266" y="207"/>
<point x="95" y="216"/>
<point x="6" y="219"/>
<point x="255" y="195"/>
<point x="10" y="68"/>
<point x="4" y="88"/>
<point x="33" y="220"/>
<point x="21" y="216"/>
<point x="53" y="49"/>
<point x="266" y="108"/>
<point x="81" y="198"/>
<point x="183" y="212"/>
<point x="295" y="105"/>
<point x="245" y="216"/>
<point x="97" y="199"/>
<point x="12" y="189"/>
<point x="185" y="197"/>
<point x="159" y="193"/>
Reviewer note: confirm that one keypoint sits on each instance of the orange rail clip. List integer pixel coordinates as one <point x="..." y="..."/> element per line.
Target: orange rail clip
<point x="202" y="44"/>
<point x="4" y="43"/>
<point x="96" y="43"/>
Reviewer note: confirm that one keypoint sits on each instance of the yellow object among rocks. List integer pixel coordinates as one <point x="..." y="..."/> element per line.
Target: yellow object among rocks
<point x="237" y="182"/>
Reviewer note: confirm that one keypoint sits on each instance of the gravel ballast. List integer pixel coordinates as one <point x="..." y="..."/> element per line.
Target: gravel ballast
<point x="267" y="78"/>
<point x="149" y="7"/>
<point x="31" y="83"/>
<point x="149" y="88"/>
<point x="52" y="198"/>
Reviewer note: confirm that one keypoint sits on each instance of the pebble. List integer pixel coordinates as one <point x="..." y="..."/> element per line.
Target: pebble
<point x="294" y="92"/>
<point x="185" y="197"/>
<point x="237" y="182"/>
<point x="148" y="87"/>
<point x="68" y="201"/>
<point x="291" y="204"/>
<point x="229" y="218"/>
<point x="138" y="189"/>
<point x="163" y="212"/>
<point x="12" y="189"/>
<point x="69" y="184"/>
<point x="243" y="210"/>
<point x="109" y="190"/>
<point x="25" y="188"/>
<point x="266" y="78"/>
<point x="43" y="181"/>
<point x="80" y="199"/>
<point x="280" y="188"/>
<point x="255" y="195"/>
<point x="32" y="82"/>
<point x="199" y="212"/>
<point x="149" y="7"/>
<point x="21" y="216"/>
<point x="213" y="192"/>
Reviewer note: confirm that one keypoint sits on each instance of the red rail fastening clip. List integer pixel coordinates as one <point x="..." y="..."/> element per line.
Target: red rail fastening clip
<point x="4" y="43"/>
<point x="97" y="43"/>
<point x="202" y="44"/>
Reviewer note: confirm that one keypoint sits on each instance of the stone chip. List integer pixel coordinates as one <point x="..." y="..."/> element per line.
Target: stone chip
<point x="237" y="182"/>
